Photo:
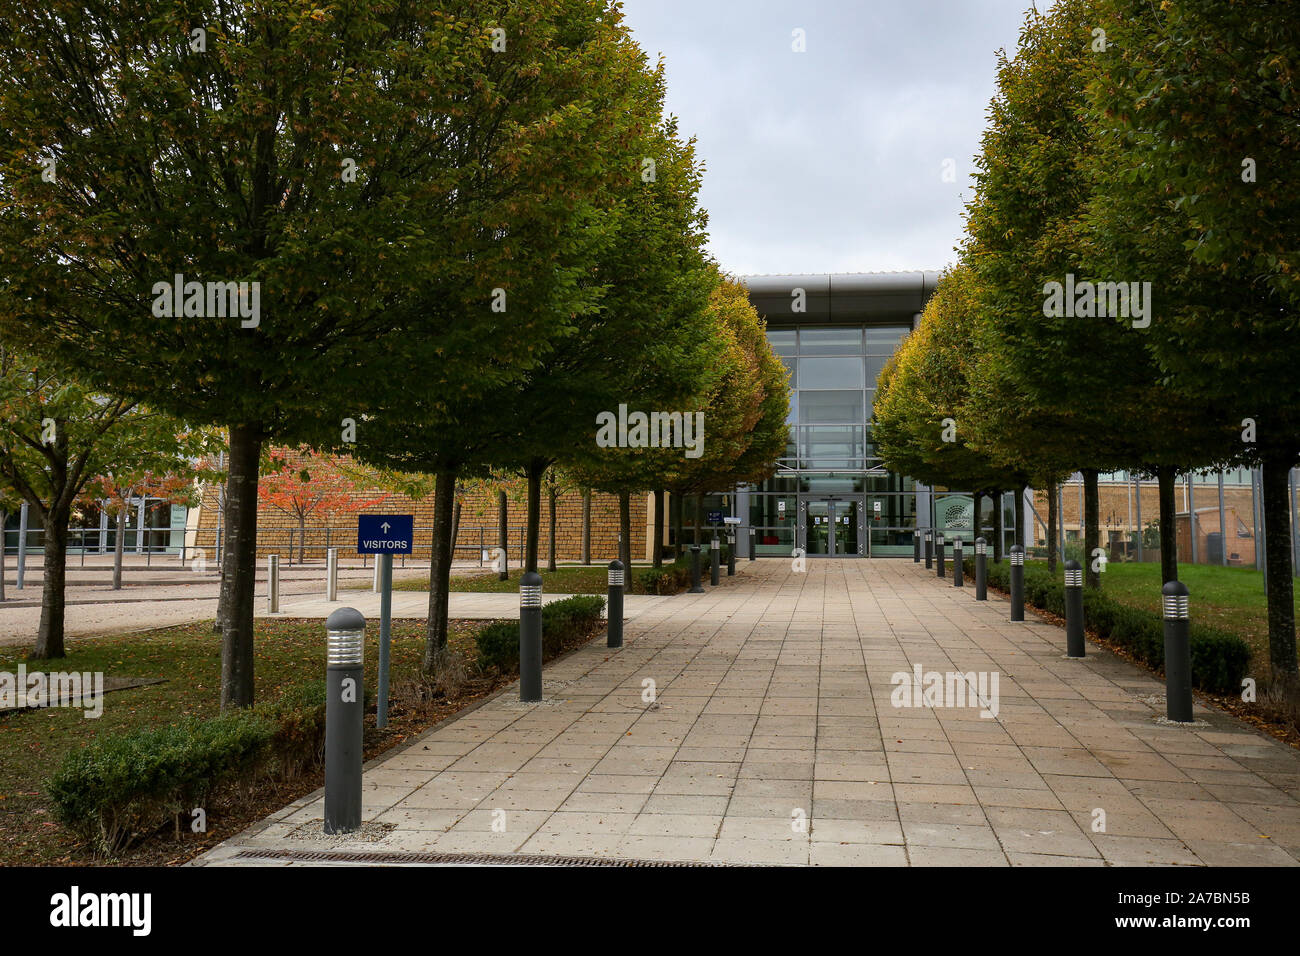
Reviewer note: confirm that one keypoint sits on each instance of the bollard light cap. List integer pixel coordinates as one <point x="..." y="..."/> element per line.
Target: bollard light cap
<point x="346" y="619"/>
<point x="345" y="637"/>
<point x="1073" y="574"/>
<point x="530" y="590"/>
<point x="1174" y="600"/>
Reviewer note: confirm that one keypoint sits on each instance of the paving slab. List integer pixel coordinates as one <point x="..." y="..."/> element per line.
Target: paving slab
<point x="783" y="730"/>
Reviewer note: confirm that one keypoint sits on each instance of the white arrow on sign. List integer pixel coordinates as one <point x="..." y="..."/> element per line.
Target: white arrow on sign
<point x="385" y="526"/>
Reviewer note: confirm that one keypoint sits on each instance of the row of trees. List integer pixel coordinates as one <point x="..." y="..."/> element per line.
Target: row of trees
<point x="1127" y="143"/>
<point x="460" y="231"/>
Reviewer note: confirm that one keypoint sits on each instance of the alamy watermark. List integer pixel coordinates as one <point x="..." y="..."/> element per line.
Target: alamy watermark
<point x="653" y="430"/>
<point x="1118" y="300"/>
<point x="55" y="689"/>
<point x="933" y="689"/>
<point x="211" y="300"/>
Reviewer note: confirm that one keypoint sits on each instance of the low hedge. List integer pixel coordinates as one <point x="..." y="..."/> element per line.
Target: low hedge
<point x="562" y="621"/>
<point x="1219" y="659"/>
<point x="123" y="786"/>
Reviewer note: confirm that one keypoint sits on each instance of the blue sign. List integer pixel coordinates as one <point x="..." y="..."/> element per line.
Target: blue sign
<point x="385" y="534"/>
<point x="715" y="517"/>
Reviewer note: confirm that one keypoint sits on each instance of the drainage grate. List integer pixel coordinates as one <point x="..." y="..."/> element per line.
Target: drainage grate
<point x="506" y="859"/>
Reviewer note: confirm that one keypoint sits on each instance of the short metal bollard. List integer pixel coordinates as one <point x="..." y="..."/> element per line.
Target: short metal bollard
<point x="916" y="548"/>
<point x="1074" y="645"/>
<point x="731" y="555"/>
<point x="273" y="584"/>
<point x="938" y="554"/>
<point x="615" y="605"/>
<point x="332" y="574"/>
<point x="696" y="586"/>
<point x="715" y="558"/>
<point x="929" y="550"/>
<point x="345" y="642"/>
<point x="958" y="572"/>
<point x="751" y="544"/>
<point x="1017" y="583"/>
<point x="1178" y="653"/>
<point x="530" y="638"/>
<point x="981" y="570"/>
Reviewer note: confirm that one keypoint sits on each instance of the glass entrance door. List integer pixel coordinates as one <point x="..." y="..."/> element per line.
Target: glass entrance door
<point x="832" y="528"/>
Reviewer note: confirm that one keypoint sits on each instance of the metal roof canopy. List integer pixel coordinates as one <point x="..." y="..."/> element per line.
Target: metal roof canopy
<point x="841" y="297"/>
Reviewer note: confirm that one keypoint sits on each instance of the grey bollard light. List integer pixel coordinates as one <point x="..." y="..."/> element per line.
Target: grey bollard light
<point x="530" y="638"/>
<point x="938" y="554"/>
<point x="916" y="547"/>
<point x="696" y="587"/>
<point x="751" y="544"/>
<point x="273" y="584"/>
<point x="958" y="572"/>
<point x="1017" y="583"/>
<point x="345" y="640"/>
<point x="981" y="570"/>
<point x="731" y="555"/>
<point x="715" y="558"/>
<point x="929" y="549"/>
<point x="615" y="605"/>
<point x="332" y="574"/>
<point x="1178" y="653"/>
<point x="1074" y="644"/>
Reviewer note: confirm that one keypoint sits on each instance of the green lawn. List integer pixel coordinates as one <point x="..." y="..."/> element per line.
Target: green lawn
<point x="567" y="579"/>
<point x="1231" y="599"/>
<point x="33" y="742"/>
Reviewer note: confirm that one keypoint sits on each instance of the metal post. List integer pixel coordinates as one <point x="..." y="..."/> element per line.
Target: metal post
<point x="530" y="637"/>
<point x="385" y="565"/>
<point x="139" y="531"/>
<point x="615" y="605"/>
<point x="345" y="634"/>
<point x="751" y="544"/>
<point x="374" y="580"/>
<point x="938" y="554"/>
<point x="731" y="555"/>
<point x="22" y="545"/>
<point x="273" y="584"/>
<point x="1060" y="519"/>
<point x="503" y="535"/>
<point x="929" y="549"/>
<point x="1178" y="653"/>
<point x="715" y="554"/>
<point x="1191" y="511"/>
<point x="916" y="547"/>
<point x="981" y="569"/>
<point x="332" y="574"/>
<point x="1074" y="645"/>
<point x="1223" y="532"/>
<point x="1017" y="583"/>
<point x="1138" y="496"/>
<point x="957" y="570"/>
<point x="696" y="587"/>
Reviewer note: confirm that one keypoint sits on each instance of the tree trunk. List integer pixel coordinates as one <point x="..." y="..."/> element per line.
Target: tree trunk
<point x="1053" y="516"/>
<point x="586" y="526"/>
<point x="659" y="528"/>
<point x="679" y="509"/>
<point x="1021" y="537"/>
<point x="302" y="540"/>
<point x="239" y="568"/>
<point x="625" y="530"/>
<point x="503" y="534"/>
<point x="1166" y="477"/>
<point x="455" y="525"/>
<point x="219" y="557"/>
<point x="550" y="530"/>
<point x="435" y="641"/>
<point x="1277" y="578"/>
<point x="534" y="526"/>
<point x="977" y="499"/>
<point x="118" y="547"/>
<point x="997" y="526"/>
<point x="1091" y="528"/>
<point x="54" y="566"/>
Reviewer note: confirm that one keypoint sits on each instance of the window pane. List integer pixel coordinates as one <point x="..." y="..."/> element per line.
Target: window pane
<point x="782" y="341"/>
<point x="843" y="407"/>
<point x="831" y="373"/>
<point x="883" y="340"/>
<point x="874" y="364"/>
<point x="830" y="341"/>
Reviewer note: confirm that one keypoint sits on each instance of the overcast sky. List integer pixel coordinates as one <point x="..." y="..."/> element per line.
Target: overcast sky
<point x="831" y="160"/>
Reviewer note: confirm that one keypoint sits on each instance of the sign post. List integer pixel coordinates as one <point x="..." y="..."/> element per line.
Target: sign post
<point x="384" y="535"/>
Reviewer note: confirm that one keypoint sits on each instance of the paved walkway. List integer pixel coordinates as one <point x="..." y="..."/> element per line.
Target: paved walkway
<point x="773" y="739"/>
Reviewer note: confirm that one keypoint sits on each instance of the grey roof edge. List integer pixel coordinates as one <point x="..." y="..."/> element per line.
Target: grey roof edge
<point x="921" y="281"/>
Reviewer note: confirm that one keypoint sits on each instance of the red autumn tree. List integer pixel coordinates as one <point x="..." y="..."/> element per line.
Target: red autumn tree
<point x="303" y="483"/>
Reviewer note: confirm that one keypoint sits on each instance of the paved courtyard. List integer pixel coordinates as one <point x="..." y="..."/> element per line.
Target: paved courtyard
<point x="772" y="739"/>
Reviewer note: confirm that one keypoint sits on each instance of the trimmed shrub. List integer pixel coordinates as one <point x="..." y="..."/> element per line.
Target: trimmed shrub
<point x="562" y="621"/>
<point x="1219" y="659"/>
<point x="124" y="786"/>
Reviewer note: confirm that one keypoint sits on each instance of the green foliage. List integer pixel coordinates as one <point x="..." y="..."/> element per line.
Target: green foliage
<point x="1219" y="659"/>
<point x="562" y="622"/>
<point x="122" y="787"/>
